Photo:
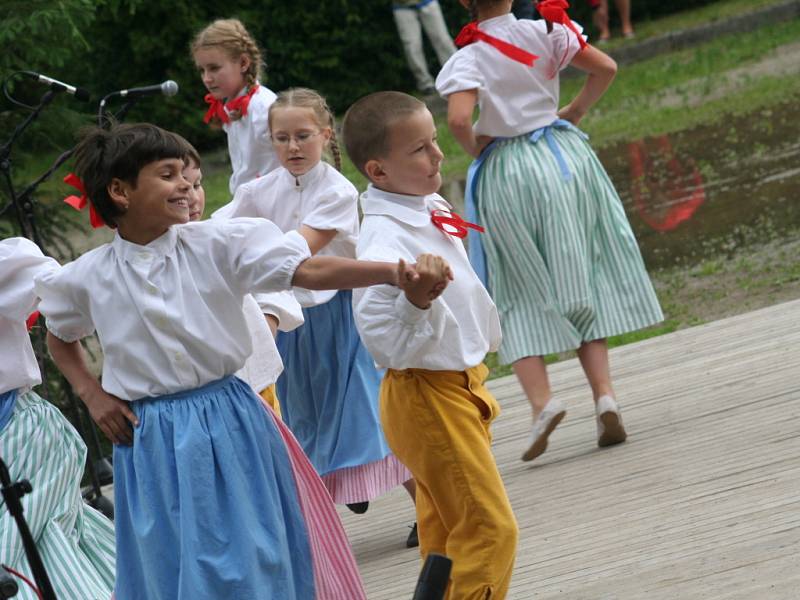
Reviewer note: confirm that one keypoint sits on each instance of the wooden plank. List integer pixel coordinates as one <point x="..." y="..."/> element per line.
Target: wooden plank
<point x="700" y="503"/>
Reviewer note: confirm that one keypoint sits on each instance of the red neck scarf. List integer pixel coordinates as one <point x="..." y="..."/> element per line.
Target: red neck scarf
<point x="217" y="108"/>
<point x="79" y="202"/>
<point x="471" y="34"/>
<point x="452" y="223"/>
<point x="555" y="11"/>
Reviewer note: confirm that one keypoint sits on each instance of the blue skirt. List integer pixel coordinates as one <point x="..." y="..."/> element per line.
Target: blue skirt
<point x="206" y="502"/>
<point x="329" y="389"/>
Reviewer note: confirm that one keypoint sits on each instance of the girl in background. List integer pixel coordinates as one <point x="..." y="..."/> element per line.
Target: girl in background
<point x="329" y="390"/>
<point x="229" y="62"/>
<point x="37" y="443"/>
<point x="564" y="267"/>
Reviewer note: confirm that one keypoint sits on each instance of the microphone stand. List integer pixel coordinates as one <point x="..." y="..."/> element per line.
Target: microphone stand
<point x="12" y="493"/>
<point x="23" y="204"/>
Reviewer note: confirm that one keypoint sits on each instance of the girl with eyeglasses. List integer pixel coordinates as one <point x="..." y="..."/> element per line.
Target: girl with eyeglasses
<point x="329" y="389"/>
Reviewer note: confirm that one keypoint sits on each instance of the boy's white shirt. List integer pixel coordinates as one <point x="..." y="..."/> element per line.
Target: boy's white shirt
<point x="459" y="328"/>
<point x="513" y="98"/>
<point x="322" y="198"/>
<point x="20" y="261"/>
<point x="169" y="314"/>
<point x="249" y="142"/>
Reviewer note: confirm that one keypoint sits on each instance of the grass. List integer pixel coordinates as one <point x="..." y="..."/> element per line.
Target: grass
<point x="690" y="18"/>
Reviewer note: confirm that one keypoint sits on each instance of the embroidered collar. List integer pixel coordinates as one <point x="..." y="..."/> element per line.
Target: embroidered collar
<point x="158" y="248"/>
<point x="412" y="210"/>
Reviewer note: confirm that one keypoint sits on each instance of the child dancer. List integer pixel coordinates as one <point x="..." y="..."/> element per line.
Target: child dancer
<point x="563" y="264"/>
<point x="212" y="499"/>
<point x="37" y="443"/>
<point x="229" y="62"/>
<point x="330" y="388"/>
<point x="264" y="365"/>
<point x="435" y="409"/>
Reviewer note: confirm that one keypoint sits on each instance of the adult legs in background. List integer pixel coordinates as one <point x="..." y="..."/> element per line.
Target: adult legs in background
<point x="435" y="27"/>
<point x="410" y="32"/>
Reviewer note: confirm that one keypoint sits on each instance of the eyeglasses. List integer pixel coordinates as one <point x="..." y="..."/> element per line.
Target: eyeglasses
<point x="303" y="137"/>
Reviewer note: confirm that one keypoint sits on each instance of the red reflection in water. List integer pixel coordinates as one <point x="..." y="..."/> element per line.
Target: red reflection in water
<point x="664" y="196"/>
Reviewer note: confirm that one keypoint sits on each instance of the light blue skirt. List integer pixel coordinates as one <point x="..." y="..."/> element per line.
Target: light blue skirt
<point x="206" y="502"/>
<point x="329" y="389"/>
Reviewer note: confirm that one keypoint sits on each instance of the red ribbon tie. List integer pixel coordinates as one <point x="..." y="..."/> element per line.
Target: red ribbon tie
<point x="217" y="108"/>
<point x="471" y="34"/>
<point x="452" y="223"/>
<point x="80" y="202"/>
<point x="555" y="11"/>
<point x="31" y="320"/>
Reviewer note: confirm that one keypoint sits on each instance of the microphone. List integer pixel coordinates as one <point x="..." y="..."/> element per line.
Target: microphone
<point x="433" y="580"/>
<point x="168" y="88"/>
<point x="58" y="86"/>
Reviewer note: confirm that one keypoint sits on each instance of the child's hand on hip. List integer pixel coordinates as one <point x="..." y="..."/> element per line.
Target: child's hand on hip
<point x="112" y="415"/>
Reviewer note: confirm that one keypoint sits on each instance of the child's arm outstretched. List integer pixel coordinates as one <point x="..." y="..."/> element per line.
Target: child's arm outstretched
<point x="601" y="69"/>
<point x="336" y="273"/>
<point x="111" y="414"/>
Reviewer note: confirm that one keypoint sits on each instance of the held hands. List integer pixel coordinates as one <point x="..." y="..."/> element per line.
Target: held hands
<point x="112" y="415"/>
<point x="425" y="281"/>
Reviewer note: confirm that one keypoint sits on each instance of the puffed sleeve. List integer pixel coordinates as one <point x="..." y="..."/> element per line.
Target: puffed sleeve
<point x="20" y="261"/>
<point x="565" y="43"/>
<point x="336" y="208"/>
<point x="459" y="73"/>
<point x="392" y="328"/>
<point x="284" y="307"/>
<point x="62" y="303"/>
<point x="259" y="256"/>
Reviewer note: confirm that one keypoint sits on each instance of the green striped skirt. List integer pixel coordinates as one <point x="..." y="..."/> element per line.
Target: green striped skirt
<point x="564" y="266"/>
<point x="75" y="541"/>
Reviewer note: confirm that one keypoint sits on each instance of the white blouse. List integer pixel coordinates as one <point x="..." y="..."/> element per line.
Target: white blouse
<point x="249" y="142"/>
<point x="513" y="98"/>
<point x="264" y="365"/>
<point x="20" y="261"/>
<point x="323" y="198"/>
<point x="459" y="328"/>
<point x="169" y="314"/>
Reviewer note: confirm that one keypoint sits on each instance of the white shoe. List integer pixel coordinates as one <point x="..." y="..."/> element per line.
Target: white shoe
<point x="610" y="430"/>
<point x="543" y="426"/>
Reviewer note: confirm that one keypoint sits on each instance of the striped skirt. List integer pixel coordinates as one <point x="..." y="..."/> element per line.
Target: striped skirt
<point x="329" y="399"/>
<point x="75" y="541"/>
<point x="215" y="499"/>
<point x="564" y="266"/>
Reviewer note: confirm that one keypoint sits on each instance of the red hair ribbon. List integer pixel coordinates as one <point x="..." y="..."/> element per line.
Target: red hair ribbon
<point x="452" y="223"/>
<point x="79" y="202"/>
<point x="216" y="108"/>
<point x="555" y="11"/>
<point x="31" y="321"/>
<point x="471" y="34"/>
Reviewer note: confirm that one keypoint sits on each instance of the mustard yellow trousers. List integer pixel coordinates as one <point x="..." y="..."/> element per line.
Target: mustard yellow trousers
<point x="437" y="424"/>
<point x="270" y="398"/>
